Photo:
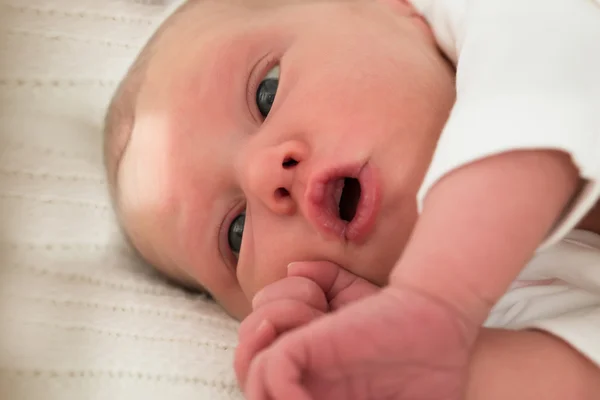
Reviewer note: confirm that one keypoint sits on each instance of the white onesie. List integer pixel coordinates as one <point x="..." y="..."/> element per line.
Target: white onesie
<point x="528" y="77"/>
<point x="558" y="292"/>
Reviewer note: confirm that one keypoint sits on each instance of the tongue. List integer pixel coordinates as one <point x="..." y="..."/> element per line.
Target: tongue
<point x="349" y="199"/>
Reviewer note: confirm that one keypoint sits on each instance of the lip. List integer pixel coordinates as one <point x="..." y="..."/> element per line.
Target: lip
<point x="322" y="208"/>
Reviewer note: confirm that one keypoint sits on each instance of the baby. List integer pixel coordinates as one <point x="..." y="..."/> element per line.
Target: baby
<point x="251" y="135"/>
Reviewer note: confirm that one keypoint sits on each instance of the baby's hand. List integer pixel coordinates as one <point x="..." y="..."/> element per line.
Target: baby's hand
<point x="395" y="344"/>
<point x="310" y="290"/>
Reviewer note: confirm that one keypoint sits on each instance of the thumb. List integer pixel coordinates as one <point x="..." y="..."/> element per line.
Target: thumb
<point x="340" y="286"/>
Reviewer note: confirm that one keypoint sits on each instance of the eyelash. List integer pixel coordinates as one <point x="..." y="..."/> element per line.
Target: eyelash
<point x="223" y="232"/>
<point x="256" y="76"/>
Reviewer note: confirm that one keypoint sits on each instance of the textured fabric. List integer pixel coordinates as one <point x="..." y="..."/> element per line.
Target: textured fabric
<point x="80" y="317"/>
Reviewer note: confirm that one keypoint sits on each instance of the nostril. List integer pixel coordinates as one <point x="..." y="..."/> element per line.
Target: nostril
<point x="281" y="192"/>
<point x="289" y="163"/>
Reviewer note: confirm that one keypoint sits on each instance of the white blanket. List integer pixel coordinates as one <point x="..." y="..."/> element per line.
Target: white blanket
<point x="80" y="317"/>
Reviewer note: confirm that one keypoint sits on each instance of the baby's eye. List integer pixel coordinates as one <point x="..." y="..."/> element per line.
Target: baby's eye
<point x="236" y="230"/>
<point x="265" y="94"/>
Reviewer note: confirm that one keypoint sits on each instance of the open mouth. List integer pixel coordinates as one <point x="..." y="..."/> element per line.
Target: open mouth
<point x="344" y="202"/>
<point x="348" y="198"/>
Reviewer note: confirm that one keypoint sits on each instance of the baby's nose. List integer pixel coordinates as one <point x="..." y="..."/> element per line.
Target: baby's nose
<point x="271" y="175"/>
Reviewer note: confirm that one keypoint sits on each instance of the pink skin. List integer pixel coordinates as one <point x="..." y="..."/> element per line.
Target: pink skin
<point x="374" y="345"/>
<point x="363" y="91"/>
<point x="367" y="356"/>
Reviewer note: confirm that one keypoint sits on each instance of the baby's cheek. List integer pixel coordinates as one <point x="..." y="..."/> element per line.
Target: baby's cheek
<point x="235" y="303"/>
<point x="253" y="277"/>
<point x="264" y="271"/>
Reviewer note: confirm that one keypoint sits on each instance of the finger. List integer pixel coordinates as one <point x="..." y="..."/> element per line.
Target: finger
<point x="255" y="388"/>
<point x="283" y="371"/>
<point x="245" y="352"/>
<point x="339" y="285"/>
<point x="263" y="327"/>
<point x="295" y="288"/>
<point x="284" y="314"/>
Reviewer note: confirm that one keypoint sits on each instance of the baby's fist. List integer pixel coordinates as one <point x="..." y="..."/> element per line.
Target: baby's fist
<point x="310" y="290"/>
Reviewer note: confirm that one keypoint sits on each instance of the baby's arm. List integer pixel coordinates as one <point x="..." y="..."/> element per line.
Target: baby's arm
<point x="529" y="365"/>
<point x="506" y="364"/>
<point x="479" y="227"/>
<point x="526" y="79"/>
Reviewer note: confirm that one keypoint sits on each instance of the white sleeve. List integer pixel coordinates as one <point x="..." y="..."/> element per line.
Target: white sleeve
<point x="528" y="77"/>
<point x="571" y="315"/>
<point x="559" y="293"/>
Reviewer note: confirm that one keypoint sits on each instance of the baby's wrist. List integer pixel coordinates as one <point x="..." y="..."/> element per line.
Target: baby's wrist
<point x="437" y="312"/>
<point x="461" y="303"/>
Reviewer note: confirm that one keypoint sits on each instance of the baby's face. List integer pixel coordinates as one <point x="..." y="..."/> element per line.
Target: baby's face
<point x="299" y="132"/>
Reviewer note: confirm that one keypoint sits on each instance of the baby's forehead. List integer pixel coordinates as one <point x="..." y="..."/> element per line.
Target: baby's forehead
<point x="200" y="27"/>
<point x="192" y="19"/>
<point x="207" y="15"/>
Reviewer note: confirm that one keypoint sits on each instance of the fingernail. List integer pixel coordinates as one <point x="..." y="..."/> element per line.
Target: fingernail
<point x="292" y="265"/>
<point x="263" y="326"/>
